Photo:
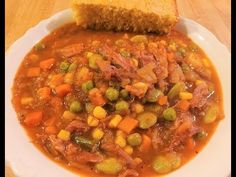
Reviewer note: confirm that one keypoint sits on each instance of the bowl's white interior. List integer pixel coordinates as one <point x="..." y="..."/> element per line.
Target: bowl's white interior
<point x="28" y="161"/>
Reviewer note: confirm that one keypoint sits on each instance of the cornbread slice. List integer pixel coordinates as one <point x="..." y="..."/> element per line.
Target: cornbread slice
<point x="158" y="16"/>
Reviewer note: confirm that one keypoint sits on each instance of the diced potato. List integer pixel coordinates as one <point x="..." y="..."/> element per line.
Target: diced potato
<point x="69" y="78"/>
<point x="185" y="95"/>
<point x="120" y="141"/>
<point x="26" y="100"/>
<point x="128" y="149"/>
<point x="135" y="62"/>
<point x="115" y="121"/>
<point x="92" y="121"/>
<point x="68" y="116"/>
<point x="120" y="133"/>
<point x="64" y="135"/>
<point x="99" y="112"/>
<point x="138" y="160"/>
<point x="97" y="134"/>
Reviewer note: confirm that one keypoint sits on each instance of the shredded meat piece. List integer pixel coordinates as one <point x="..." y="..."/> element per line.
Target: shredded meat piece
<point x="115" y="149"/>
<point x="129" y="173"/>
<point x="106" y="68"/>
<point x="139" y="92"/>
<point x="200" y="94"/>
<point x="85" y="157"/>
<point x="57" y="144"/>
<point x="146" y="73"/>
<point x="71" y="149"/>
<point x="77" y="125"/>
<point x="175" y="73"/>
<point x="71" y="50"/>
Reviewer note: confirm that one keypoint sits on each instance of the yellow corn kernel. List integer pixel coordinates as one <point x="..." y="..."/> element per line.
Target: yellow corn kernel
<point x="135" y="62"/>
<point x="26" y="100"/>
<point x="185" y="95"/>
<point x="120" y="141"/>
<point x="68" y="116"/>
<point x="138" y="160"/>
<point x="89" y="54"/>
<point x="138" y="108"/>
<point x="115" y="121"/>
<point x="206" y="62"/>
<point x="128" y="149"/>
<point x="120" y="133"/>
<point x="64" y="135"/>
<point x="92" y="121"/>
<point x="97" y="134"/>
<point x="69" y="78"/>
<point x="198" y="82"/>
<point x="99" y="112"/>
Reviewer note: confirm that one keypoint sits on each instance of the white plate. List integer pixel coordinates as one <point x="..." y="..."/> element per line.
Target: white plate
<point x="27" y="161"/>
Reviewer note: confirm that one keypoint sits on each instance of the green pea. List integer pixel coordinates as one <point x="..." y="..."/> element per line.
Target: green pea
<point x="200" y="135"/>
<point x="174" y="91"/>
<point x="166" y="163"/>
<point x="92" y="59"/>
<point x="87" y="86"/>
<point x="72" y="67"/>
<point x="39" y="46"/>
<point x="146" y="120"/>
<point x="75" y="106"/>
<point x="109" y="166"/>
<point x="153" y="95"/>
<point x="211" y="114"/>
<point x="89" y="107"/>
<point x="124" y="93"/>
<point x="64" y="66"/>
<point x="112" y="94"/>
<point x="122" y="106"/>
<point x="169" y="114"/>
<point x="134" y="139"/>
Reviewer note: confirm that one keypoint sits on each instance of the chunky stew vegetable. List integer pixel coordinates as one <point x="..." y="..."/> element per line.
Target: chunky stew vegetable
<point x="117" y="104"/>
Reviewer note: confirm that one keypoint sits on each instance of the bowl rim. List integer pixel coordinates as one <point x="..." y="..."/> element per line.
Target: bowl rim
<point x="42" y="26"/>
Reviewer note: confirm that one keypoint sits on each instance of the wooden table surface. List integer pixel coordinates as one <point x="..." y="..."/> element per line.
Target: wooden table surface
<point x="24" y="14"/>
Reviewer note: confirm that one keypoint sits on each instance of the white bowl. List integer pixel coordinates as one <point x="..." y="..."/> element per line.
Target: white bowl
<point x="27" y="161"/>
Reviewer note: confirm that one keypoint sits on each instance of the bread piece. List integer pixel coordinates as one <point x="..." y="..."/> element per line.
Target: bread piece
<point x="158" y="16"/>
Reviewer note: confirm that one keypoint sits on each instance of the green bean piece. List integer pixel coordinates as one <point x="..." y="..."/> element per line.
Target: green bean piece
<point x="146" y="120"/>
<point x="109" y="166"/>
<point x="211" y="114"/>
<point x="75" y="106"/>
<point x="39" y="47"/>
<point x="153" y="95"/>
<point x="89" y="107"/>
<point x="112" y="94"/>
<point x="134" y="139"/>
<point x="122" y="106"/>
<point x="174" y="91"/>
<point x="87" y="86"/>
<point x="124" y="53"/>
<point x="82" y="141"/>
<point x="64" y="66"/>
<point x="166" y="163"/>
<point x="139" y="39"/>
<point x="124" y="93"/>
<point x="200" y="135"/>
<point x="169" y="114"/>
<point x="92" y="59"/>
<point x="72" y="67"/>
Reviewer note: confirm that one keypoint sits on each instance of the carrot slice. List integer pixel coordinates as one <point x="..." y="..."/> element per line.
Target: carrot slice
<point x="128" y="124"/>
<point x="51" y="130"/>
<point x="47" y="64"/>
<point x="146" y="143"/>
<point x="44" y="93"/>
<point x="33" y="72"/>
<point x="170" y="57"/>
<point x="163" y="100"/>
<point x="96" y="97"/>
<point x="183" y="105"/>
<point x="34" y="118"/>
<point x="63" y="89"/>
<point x="50" y="121"/>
